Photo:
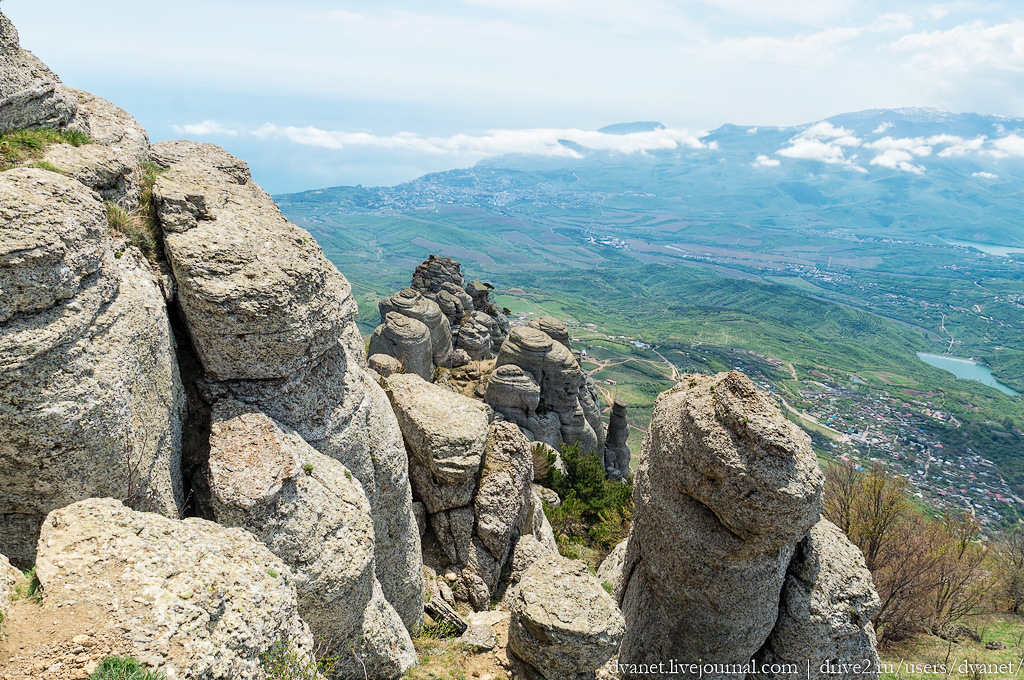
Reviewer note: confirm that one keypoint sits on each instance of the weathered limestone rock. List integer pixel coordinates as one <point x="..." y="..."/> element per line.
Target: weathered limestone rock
<point x="732" y="486"/>
<point x="553" y="328"/>
<point x="563" y="390"/>
<point x="312" y="513"/>
<point x="436" y="271"/>
<point x="9" y="577"/>
<point x="259" y="297"/>
<point x="564" y="625"/>
<point x="827" y="605"/>
<point x="503" y="502"/>
<point x="475" y="337"/>
<point x="200" y="600"/>
<point x="513" y="392"/>
<point x="90" y="398"/>
<point x="610" y="570"/>
<point x="410" y="303"/>
<point x="445" y="434"/>
<point x="30" y="94"/>
<point x="274" y="325"/>
<point x="110" y="164"/>
<point x="384" y="365"/>
<point x="408" y="341"/>
<point x="616" y="450"/>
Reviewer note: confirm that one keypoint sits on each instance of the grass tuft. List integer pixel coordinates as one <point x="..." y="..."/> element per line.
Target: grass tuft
<point x="140" y="232"/>
<point x="124" y="668"/>
<point x="19" y="146"/>
<point x="32" y="590"/>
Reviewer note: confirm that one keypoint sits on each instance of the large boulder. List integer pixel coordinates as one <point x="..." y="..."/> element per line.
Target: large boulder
<point x="828" y="602"/>
<point x="259" y="297"/>
<point x="434" y="272"/>
<point x="312" y="513"/>
<point x="505" y="498"/>
<point x="30" y="93"/>
<point x="563" y="625"/>
<point x="91" y="403"/>
<point x="195" y="599"/>
<point x="610" y="570"/>
<point x="726" y="488"/>
<point x="475" y="336"/>
<point x="273" y="322"/>
<point x="407" y="340"/>
<point x="412" y="304"/>
<point x="9" y="577"/>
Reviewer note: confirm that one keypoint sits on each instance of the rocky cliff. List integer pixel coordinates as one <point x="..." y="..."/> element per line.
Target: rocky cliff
<point x="209" y="474"/>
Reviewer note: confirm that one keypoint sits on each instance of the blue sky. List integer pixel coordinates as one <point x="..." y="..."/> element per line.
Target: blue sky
<point x="325" y="93"/>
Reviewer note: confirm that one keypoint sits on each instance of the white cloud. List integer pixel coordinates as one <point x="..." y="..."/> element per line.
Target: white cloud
<point x="893" y="22"/>
<point x="763" y="161"/>
<point x="882" y="128"/>
<point x="984" y="175"/>
<point x="968" y="47"/>
<point x="207" y="127"/>
<point x="1010" y="145"/>
<point x="752" y="131"/>
<point x="802" y="50"/>
<point x="823" y="142"/>
<point x="540" y="141"/>
<point x="959" y="146"/>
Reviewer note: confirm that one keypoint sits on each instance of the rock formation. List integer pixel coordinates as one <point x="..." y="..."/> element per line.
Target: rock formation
<point x="198" y="599"/>
<point x="828" y="602"/>
<point x="312" y="513"/>
<point x="407" y="341"/>
<point x="725" y="490"/>
<point x="610" y="571"/>
<point x="538" y="384"/>
<point x="90" y="397"/>
<point x="564" y="625"/>
<point x="30" y="93"/>
<point x="472" y="476"/>
<point x="616" y="451"/>
<point x="9" y="577"/>
<point x="410" y="303"/>
<point x="273" y="323"/>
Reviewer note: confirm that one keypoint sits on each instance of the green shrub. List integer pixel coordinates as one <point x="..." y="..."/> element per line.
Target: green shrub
<point x="140" y="232"/>
<point x="283" y="662"/>
<point x="124" y="668"/>
<point x="32" y="590"/>
<point x="18" y="146"/>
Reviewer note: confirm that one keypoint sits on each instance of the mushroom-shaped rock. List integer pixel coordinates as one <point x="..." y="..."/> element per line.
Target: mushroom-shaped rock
<point x="445" y="434"/>
<point x="312" y="513"/>
<point x="200" y="600"/>
<point x="554" y="328"/>
<point x="828" y="602"/>
<point x="408" y="341"/>
<point x="259" y="297"/>
<point x="434" y="272"/>
<point x="726" y="488"/>
<point x="30" y="93"/>
<point x="91" y="402"/>
<point x="412" y="304"/>
<point x="564" y="625"/>
<point x="474" y="338"/>
<point x="513" y="393"/>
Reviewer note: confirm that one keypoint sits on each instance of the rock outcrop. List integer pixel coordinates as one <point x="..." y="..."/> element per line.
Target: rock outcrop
<point x="610" y="571"/>
<point x="194" y="598"/>
<point x="726" y="488"/>
<point x="564" y="625"/>
<point x="9" y="577"/>
<point x="30" y="93"/>
<point x="828" y="602"/>
<point x="410" y="303"/>
<point x="312" y="513"/>
<point x="544" y="391"/>
<point x="273" y="323"/>
<point x="616" y="451"/>
<point x="407" y="341"/>
<point x="90" y="397"/>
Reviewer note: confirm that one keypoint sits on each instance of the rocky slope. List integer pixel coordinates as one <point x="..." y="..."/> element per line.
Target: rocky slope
<point x="209" y="473"/>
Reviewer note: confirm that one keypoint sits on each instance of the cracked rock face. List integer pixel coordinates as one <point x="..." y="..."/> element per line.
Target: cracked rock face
<point x="273" y="322"/>
<point x="407" y="341"/>
<point x="411" y="303"/>
<point x="90" y="398"/>
<point x="564" y="625"/>
<point x="312" y="513"/>
<point x="726" y="488"/>
<point x="200" y="600"/>
<point x="30" y="93"/>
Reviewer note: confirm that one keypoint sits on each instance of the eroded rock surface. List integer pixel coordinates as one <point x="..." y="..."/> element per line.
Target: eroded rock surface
<point x="91" y="402"/>
<point x="616" y="450"/>
<point x="564" y="625"/>
<point x="30" y="93"/>
<point x="312" y="513"/>
<point x="726" y="488"/>
<point x="9" y="577"/>
<point x="197" y="599"/>
<point x="407" y="341"/>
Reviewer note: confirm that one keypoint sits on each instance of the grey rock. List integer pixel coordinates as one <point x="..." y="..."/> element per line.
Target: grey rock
<point x="30" y="93"/>
<point x="419" y="511"/>
<point x="408" y="341"/>
<point x="412" y="304"/>
<point x="384" y="364"/>
<point x="259" y="298"/>
<point x="312" y="513"/>
<point x="459" y="358"/>
<point x="828" y="602"/>
<point x="563" y="624"/>
<point x="479" y="637"/>
<point x="513" y="392"/>
<point x="616" y="450"/>
<point x="726" y="488"/>
<point x="9" y="577"/>
<point x="433" y="273"/>
<point x="91" y="403"/>
<point x="503" y="500"/>
<point x="475" y="337"/>
<point x="610" y="570"/>
<point x="201" y="600"/>
<point x="445" y="434"/>
<point x="553" y="328"/>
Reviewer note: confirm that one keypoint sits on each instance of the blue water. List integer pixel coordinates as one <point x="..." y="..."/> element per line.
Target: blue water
<point x="990" y="248"/>
<point x="965" y="369"/>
